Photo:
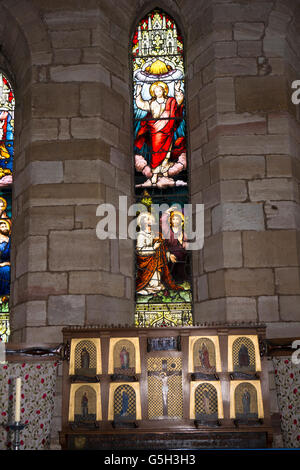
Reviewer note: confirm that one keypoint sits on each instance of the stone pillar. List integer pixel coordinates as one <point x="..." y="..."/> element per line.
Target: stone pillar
<point x="75" y="154"/>
<point x="244" y="157"/>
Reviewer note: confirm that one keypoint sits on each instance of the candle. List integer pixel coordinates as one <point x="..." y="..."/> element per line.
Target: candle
<point x="18" y="399"/>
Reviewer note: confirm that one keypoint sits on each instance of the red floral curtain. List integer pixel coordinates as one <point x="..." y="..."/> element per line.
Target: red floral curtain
<point x="37" y="403"/>
<point x="287" y="380"/>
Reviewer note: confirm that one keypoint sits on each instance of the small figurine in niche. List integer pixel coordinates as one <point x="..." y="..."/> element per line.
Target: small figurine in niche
<point x="246" y="400"/>
<point x="204" y="357"/>
<point x="124" y="358"/>
<point x="206" y="402"/>
<point x="205" y="399"/>
<point x="244" y="359"/>
<point x="125" y="403"/>
<point x="244" y="355"/>
<point x="84" y="406"/>
<point x="85" y="359"/>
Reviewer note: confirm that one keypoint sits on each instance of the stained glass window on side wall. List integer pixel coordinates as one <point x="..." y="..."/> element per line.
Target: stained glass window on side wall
<point x="163" y="271"/>
<point x="7" y="108"/>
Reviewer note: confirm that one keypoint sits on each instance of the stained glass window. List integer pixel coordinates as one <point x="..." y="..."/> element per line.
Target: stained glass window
<point x="7" y="107"/>
<point x="163" y="271"/>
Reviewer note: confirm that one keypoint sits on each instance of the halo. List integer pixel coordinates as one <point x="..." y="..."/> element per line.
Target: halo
<point x="180" y="214"/>
<point x="163" y="85"/>
<point x="7" y="222"/>
<point x="4" y="202"/>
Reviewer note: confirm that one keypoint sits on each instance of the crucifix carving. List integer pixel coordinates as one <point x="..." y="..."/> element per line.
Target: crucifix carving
<point x="163" y="375"/>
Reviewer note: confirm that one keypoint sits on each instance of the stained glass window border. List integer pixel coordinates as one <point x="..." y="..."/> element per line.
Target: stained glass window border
<point x="147" y="315"/>
<point x="7" y="117"/>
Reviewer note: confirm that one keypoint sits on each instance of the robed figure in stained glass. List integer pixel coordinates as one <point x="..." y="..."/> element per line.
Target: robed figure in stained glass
<point x="172" y="222"/>
<point x="153" y="274"/>
<point x="158" y="128"/>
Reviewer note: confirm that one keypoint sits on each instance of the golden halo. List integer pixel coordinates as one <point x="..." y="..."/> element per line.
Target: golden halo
<point x="7" y="222"/>
<point x="163" y="85"/>
<point x="180" y="214"/>
<point x="4" y="202"/>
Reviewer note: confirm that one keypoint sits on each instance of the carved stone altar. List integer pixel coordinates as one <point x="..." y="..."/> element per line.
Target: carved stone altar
<point x="165" y="388"/>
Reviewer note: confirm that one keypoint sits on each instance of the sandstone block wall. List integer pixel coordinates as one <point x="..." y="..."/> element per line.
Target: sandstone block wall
<point x="69" y="62"/>
<point x="244" y="136"/>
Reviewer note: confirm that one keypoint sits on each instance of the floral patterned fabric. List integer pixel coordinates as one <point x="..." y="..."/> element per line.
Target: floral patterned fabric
<point x="37" y="403"/>
<point x="287" y="380"/>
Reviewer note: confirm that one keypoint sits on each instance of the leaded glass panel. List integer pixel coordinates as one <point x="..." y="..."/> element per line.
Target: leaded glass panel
<point x="163" y="271"/>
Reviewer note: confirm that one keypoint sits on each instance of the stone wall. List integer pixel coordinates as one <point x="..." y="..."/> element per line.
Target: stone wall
<point x="69" y="64"/>
<point x="68" y="61"/>
<point x="244" y="134"/>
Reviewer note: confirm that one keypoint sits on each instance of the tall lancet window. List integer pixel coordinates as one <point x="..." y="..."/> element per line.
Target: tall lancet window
<point x="7" y="108"/>
<point x="163" y="271"/>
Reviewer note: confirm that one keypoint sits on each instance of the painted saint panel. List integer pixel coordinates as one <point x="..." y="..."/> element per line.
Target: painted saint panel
<point x="124" y="357"/>
<point x="204" y="356"/>
<point x="243" y="354"/>
<point x="206" y="403"/>
<point x="124" y="403"/>
<point x="85" y="357"/>
<point x="85" y="403"/>
<point x="246" y="400"/>
<point x="7" y="109"/>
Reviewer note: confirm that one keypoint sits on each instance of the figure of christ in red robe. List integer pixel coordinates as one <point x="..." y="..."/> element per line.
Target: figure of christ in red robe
<point x="158" y="128"/>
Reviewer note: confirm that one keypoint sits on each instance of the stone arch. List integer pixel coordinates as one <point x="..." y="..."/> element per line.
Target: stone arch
<point x="169" y="6"/>
<point x="24" y="38"/>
